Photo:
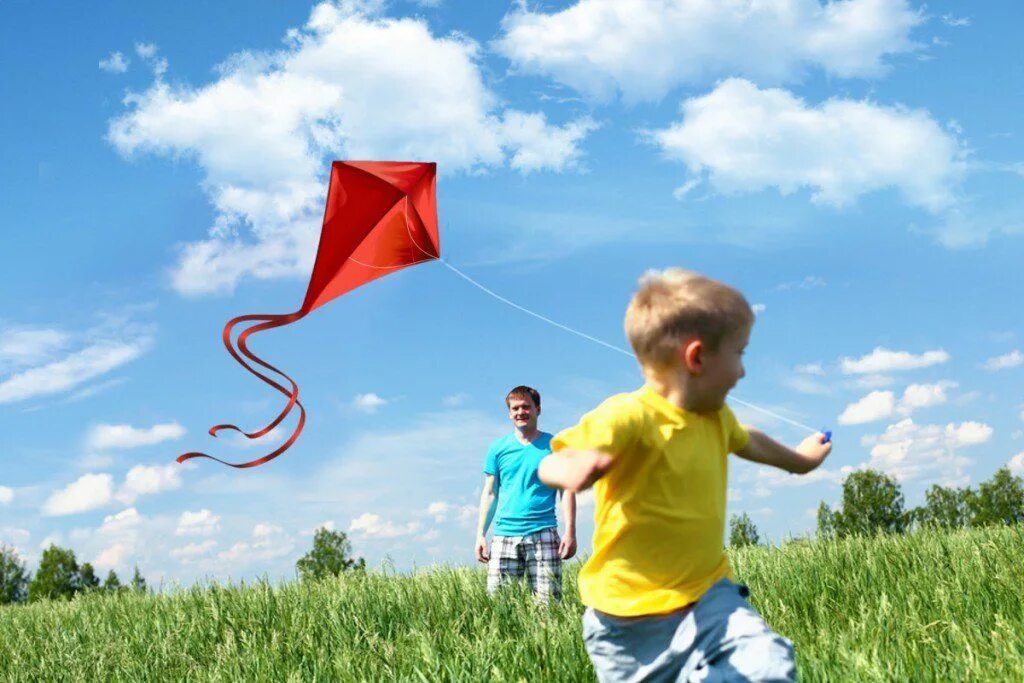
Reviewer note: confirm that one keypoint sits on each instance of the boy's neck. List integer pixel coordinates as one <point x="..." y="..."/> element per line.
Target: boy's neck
<point x="671" y="383"/>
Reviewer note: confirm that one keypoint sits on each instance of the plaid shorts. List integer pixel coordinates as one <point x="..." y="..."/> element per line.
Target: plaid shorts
<point x="535" y="555"/>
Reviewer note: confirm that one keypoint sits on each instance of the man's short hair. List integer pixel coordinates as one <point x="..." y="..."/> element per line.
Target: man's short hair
<point x="523" y="392"/>
<point x="673" y="305"/>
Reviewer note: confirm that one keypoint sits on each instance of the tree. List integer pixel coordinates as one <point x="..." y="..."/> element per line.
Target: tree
<point x="826" y="521"/>
<point x="1000" y="500"/>
<point x="944" y="508"/>
<point x="138" y="583"/>
<point x="57" y="577"/>
<point x="742" y="531"/>
<point x="112" y="583"/>
<point x="330" y="556"/>
<point x="872" y="502"/>
<point x="13" y="578"/>
<point x="87" y="579"/>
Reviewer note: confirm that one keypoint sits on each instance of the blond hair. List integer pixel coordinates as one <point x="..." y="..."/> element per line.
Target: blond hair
<point x="673" y="305"/>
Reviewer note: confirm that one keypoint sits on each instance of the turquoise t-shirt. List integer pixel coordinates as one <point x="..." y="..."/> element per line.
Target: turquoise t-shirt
<point x="525" y="504"/>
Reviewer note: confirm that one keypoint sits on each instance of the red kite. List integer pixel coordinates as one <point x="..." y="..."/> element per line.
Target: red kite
<point x="381" y="217"/>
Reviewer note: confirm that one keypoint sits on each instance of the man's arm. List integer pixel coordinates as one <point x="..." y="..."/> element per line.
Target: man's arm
<point x="567" y="548"/>
<point x="572" y="470"/>
<point x="765" y="450"/>
<point x="487" y="499"/>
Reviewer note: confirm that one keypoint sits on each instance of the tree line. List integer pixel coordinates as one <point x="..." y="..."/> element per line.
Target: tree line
<point x="59" y="577"/>
<point x="873" y="502"/>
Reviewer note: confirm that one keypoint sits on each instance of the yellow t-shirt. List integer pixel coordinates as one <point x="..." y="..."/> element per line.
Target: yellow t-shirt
<point x="660" y="510"/>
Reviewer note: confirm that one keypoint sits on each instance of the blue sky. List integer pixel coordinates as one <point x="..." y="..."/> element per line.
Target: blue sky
<point x="855" y="168"/>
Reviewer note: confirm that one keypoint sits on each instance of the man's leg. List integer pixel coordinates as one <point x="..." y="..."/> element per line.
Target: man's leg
<point x="505" y="564"/>
<point x="543" y="565"/>
<point x="727" y="640"/>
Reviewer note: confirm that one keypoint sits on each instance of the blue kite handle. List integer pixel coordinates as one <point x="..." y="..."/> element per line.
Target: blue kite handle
<point x="828" y="435"/>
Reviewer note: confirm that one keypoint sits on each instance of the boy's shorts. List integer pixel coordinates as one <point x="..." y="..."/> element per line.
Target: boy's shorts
<point x="535" y="555"/>
<point x="720" y="638"/>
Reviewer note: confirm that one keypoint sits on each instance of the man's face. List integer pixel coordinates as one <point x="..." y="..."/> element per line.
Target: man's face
<point x="723" y="368"/>
<point x="523" y="413"/>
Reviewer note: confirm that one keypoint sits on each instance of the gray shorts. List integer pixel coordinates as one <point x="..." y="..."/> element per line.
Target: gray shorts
<point x="720" y="638"/>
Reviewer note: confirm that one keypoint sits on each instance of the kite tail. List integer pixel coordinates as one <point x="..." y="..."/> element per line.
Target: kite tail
<point x="266" y="322"/>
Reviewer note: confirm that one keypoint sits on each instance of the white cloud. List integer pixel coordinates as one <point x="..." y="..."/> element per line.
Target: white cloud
<point x="884" y="360"/>
<point x="918" y="396"/>
<point x="117" y="538"/>
<point x="113" y="556"/>
<point x="910" y="451"/>
<point x="88" y="492"/>
<point x="368" y="403"/>
<point x="442" y="511"/>
<point x="454" y="400"/>
<point x="740" y="138"/>
<point x="118" y="525"/>
<point x="758" y="309"/>
<point x="264" y="530"/>
<point x="146" y="50"/>
<point x="373" y="525"/>
<point x="955" y="21"/>
<point x="769" y="479"/>
<point x="350" y="84"/>
<point x="107" y="437"/>
<point x="24" y="346"/>
<point x="143" y="480"/>
<point x="268" y="542"/>
<point x="200" y="523"/>
<point x="79" y="367"/>
<point x="968" y="433"/>
<point x="439" y="510"/>
<point x="194" y="550"/>
<point x="1016" y="464"/>
<point x="539" y="146"/>
<point x="811" y="369"/>
<point x="1007" y="360"/>
<point x="877" y="405"/>
<point x="6" y="495"/>
<point x="645" y="49"/>
<point x="114" y="64"/>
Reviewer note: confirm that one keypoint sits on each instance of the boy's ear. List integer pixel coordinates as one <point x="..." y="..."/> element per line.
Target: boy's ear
<point x="691" y="356"/>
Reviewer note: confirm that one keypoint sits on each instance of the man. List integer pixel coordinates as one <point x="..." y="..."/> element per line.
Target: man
<point x="526" y="539"/>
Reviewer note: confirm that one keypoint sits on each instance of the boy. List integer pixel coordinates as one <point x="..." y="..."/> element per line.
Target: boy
<point x="661" y="601"/>
<point x="526" y="539"/>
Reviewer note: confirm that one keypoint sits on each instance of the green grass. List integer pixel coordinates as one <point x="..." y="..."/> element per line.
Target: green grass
<point x="928" y="606"/>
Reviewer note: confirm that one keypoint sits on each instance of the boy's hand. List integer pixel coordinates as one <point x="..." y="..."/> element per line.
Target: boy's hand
<point x="567" y="548"/>
<point x="813" y="450"/>
<point x="482" y="553"/>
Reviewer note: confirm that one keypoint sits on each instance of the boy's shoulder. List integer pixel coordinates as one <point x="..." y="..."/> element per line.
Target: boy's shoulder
<point x="626" y="402"/>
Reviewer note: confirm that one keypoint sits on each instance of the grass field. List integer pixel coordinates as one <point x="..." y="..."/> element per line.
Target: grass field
<point x="927" y="606"/>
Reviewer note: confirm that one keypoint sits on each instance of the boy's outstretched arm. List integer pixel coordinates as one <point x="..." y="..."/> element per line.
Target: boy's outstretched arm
<point x="572" y="470"/>
<point x="800" y="460"/>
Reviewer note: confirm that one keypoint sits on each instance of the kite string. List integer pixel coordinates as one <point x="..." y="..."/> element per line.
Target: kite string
<point x="606" y="344"/>
<point x="570" y="330"/>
